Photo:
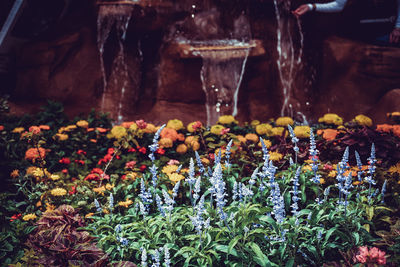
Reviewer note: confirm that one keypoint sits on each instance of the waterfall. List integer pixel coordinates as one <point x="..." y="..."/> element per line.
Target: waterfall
<point x="288" y="50"/>
<point x="114" y="17"/>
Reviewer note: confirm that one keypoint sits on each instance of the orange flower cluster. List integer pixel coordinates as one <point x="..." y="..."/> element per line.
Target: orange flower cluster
<point x="172" y="134"/>
<point x="387" y="128"/>
<point x="328" y="134"/>
<point x="35" y="153"/>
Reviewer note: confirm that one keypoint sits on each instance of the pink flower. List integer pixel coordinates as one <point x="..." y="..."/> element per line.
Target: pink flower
<point x="225" y="131"/>
<point x="173" y="162"/>
<point x="130" y="164"/>
<point x="381" y="257"/>
<point x="361" y="258"/>
<point x="197" y="125"/>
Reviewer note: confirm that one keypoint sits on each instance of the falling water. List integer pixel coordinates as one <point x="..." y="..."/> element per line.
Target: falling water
<point x="288" y="65"/>
<point x="118" y="17"/>
<point x="221" y="75"/>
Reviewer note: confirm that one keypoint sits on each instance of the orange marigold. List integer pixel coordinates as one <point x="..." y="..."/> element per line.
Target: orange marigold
<point x="329" y="134"/>
<point x="396" y="130"/>
<point x="170" y="133"/>
<point x="35" y="153"/>
<point x="387" y="128"/>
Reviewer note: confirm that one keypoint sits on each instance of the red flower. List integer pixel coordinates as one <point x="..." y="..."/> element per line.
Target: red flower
<point x="15" y="217"/>
<point x="97" y="170"/>
<point x="73" y="179"/>
<point x="211" y="156"/>
<point x="143" y="167"/>
<point x="110" y="150"/>
<point x="142" y="150"/>
<point x="131" y="149"/>
<point x="65" y="161"/>
<point x="81" y="162"/>
<point x="81" y="152"/>
<point x="160" y="151"/>
<point x="197" y="125"/>
<point x="73" y="190"/>
<point x="141" y="124"/>
<point x="65" y="171"/>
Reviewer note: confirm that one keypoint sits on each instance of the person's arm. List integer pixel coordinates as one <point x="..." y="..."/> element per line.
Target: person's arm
<point x="331" y="7"/>
<point x="334" y="6"/>
<point x="395" y="34"/>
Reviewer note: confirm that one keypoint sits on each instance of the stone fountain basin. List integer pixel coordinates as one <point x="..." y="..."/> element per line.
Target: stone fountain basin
<point x="143" y="3"/>
<point x="223" y="49"/>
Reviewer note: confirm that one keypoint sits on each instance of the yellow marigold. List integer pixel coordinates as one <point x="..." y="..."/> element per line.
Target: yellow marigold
<point x="54" y="177"/>
<point x="395" y="169"/>
<point x="69" y="128"/>
<point x="267" y="143"/>
<point x="50" y="207"/>
<point x="331" y="118"/>
<point x="251" y="137"/>
<point x="14" y="174"/>
<point x="275" y="156"/>
<point x="302" y="131"/>
<point x="277" y="131"/>
<point x="165" y="142"/>
<point x="255" y="123"/>
<point x="205" y="161"/>
<point x="264" y="128"/>
<point x="89" y="215"/>
<point x="29" y="216"/>
<point x="190" y="139"/>
<point x="82" y="124"/>
<point x="227" y="119"/>
<point x="109" y="186"/>
<point x="284" y="121"/>
<point x="30" y="170"/>
<point x="61" y="137"/>
<point x="150" y="128"/>
<point x="216" y="129"/>
<point x="35" y="153"/>
<point x="118" y="132"/>
<point x="216" y="152"/>
<point x="332" y="173"/>
<point x="40" y="173"/>
<point x="169" y="169"/>
<point x="58" y="192"/>
<point x="307" y="168"/>
<point x="195" y="145"/>
<point x="125" y="203"/>
<point x="176" y="177"/>
<point x="175" y="124"/>
<point x="363" y="120"/>
<point x="132" y="175"/>
<point x="99" y="190"/>
<point x="322" y="181"/>
<point x="18" y="130"/>
<point x="133" y="127"/>
<point x="181" y="149"/>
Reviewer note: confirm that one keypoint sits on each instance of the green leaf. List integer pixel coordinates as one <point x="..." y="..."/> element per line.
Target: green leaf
<point x="233" y="243"/>
<point x="290" y="262"/>
<point x="262" y="259"/>
<point x="224" y="248"/>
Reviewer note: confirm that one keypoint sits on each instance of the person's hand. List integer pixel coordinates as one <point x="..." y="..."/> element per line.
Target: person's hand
<point x="395" y="36"/>
<point x="301" y="10"/>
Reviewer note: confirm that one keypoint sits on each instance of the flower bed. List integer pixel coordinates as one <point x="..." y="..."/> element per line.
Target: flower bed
<point x="276" y="193"/>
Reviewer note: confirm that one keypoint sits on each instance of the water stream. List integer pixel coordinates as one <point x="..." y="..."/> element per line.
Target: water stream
<point x="114" y="17"/>
<point x="290" y="53"/>
<point x="221" y="75"/>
